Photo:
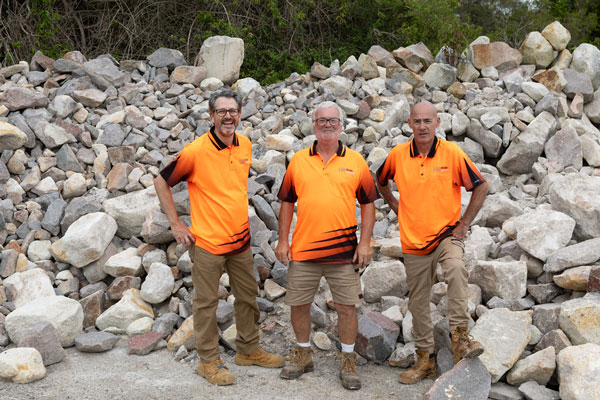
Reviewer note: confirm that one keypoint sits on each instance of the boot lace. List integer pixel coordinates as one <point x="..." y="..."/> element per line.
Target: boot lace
<point x="348" y="364"/>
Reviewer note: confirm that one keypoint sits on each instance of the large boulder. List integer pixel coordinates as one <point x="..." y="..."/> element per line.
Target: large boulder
<point x="65" y="314"/>
<point x="579" y="319"/>
<point x="558" y="36"/>
<point x="505" y="279"/>
<point x="22" y="365"/>
<point x="19" y="98"/>
<point x="85" y="240"/>
<point x="496" y="54"/>
<point x="130" y="210"/>
<point x="586" y="252"/>
<point x="502" y="350"/>
<point x="586" y="59"/>
<point x="440" y="76"/>
<point x="104" y="73"/>
<point x="222" y="56"/>
<point x="384" y="279"/>
<point x="536" y="50"/>
<point x="579" y="372"/>
<point x="525" y="149"/>
<point x="577" y="196"/>
<point x="158" y="284"/>
<point x="25" y="287"/>
<point x="130" y="308"/>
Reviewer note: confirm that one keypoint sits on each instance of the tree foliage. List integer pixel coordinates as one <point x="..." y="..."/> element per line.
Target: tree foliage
<point x="280" y="36"/>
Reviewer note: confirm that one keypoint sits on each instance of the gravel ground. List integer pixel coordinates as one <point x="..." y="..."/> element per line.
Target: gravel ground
<point x="116" y="375"/>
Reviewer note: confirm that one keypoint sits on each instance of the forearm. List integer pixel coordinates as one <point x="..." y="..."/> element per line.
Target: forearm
<point x="286" y="213"/>
<point x="477" y="199"/>
<point x="388" y="196"/>
<point x="367" y="216"/>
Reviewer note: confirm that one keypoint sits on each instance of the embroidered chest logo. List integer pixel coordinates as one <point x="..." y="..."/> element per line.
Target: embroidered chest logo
<point x="347" y="170"/>
<point x="245" y="161"/>
<point x="440" y="169"/>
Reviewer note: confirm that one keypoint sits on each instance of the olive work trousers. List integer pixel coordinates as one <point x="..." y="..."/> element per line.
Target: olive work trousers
<point x="421" y="275"/>
<point x="206" y="273"/>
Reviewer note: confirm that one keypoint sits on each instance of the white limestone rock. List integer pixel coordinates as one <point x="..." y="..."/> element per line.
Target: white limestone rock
<point x="130" y="308"/>
<point x="64" y="313"/>
<point x="131" y="209"/>
<point x="85" y="240"/>
<point x="222" y="56"/>
<point x="127" y="262"/>
<point x="505" y="279"/>
<point x="537" y="367"/>
<point x="158" y="285"/>
<point x="579" y="372"/>
<point x="22" y="365"/>
<point x="579" y="318"/>
<point x="384" y="278"/>
<point x="25" y="287"/>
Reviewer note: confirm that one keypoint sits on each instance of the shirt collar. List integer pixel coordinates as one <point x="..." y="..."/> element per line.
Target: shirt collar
<point x="414" y="152"/>
<point x="218" y="143"/>
<point x="341" y="150"/>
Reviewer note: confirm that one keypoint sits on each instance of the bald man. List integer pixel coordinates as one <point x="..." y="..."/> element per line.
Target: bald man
<point x="429" y="173"/>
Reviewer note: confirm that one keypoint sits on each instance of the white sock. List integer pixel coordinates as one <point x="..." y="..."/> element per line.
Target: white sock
<point x="307" y="344"/>
<point x="347" y="348"/>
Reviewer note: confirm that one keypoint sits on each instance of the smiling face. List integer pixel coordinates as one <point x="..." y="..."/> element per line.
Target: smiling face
<point x="327" y="133"/>
<point x="423" y="121"/>
<point x="225" y="125"/>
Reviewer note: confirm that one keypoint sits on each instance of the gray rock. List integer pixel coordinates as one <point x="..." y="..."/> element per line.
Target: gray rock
<point x="104" y="73"/>
<point x="555" y="338"/>
<point x="318" y="316"/>
<point x="469" y="379"/>
<point x="156" y="229"/>
<point x="77" y="208"/>
<point x="112" y="135"/>
<point x="96" y="342"/>
<point x="43" y="337"/>
<point x="224" y="312"/>
<point x="265" y="212"/>
<point x="522" y="153"/>
<point x="537" y="367"/>
<point x="19" y="98"/>
<point x="586" y="59"/>
<point x="491" y="143"/>
<point x="384" y="279"/>
<point x="582" y="253"/>
<point x="532" y="391"/>
<point x="54" y="216"/>
<point x="403" y="356"/>
<point x="502" y="391"/>
<point x="440" y="75"/>
<point x="164" y="57"/>
<point x="577" y="196"/>
<point x="502" y="350"/>
<point x="222" y="56"/>
<point x="578" y="82"/>
<point x="165" y="324"/>
<point x="505" y="279"/>
<point x="376" y="338"/>
<point x="279" y="274"/>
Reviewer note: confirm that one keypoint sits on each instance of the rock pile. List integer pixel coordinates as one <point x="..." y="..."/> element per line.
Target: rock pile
<point x="86" y="247"/>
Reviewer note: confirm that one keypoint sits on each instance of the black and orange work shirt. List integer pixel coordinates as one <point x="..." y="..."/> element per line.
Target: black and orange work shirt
<point x="326" y="194"/>
<point x="217" y="177"/>
<point x="429" y="207"/>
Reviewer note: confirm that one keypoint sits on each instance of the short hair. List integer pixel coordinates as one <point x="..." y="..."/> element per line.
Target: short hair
<point x="327" y="104"/>
<point x="212" y="101"/>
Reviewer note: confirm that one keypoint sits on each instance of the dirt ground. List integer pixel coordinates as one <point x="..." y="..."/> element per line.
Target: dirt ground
<point x="116" y="375"/>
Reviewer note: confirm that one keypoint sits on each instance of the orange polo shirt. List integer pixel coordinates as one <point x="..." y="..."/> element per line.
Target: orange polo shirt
<point x="326" y="194"/>
<point x="429" y="207"/>
<point x="217" y="177"/>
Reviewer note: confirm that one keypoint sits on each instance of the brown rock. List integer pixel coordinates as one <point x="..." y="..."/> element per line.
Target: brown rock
<point x="593" y="284"/>
<point x="92" y="308"/>
<point x="40" y="62"/>
<point x="552" y="79"/>
<point x="496" y="54"/>
<point x="121" y="284"/>
<point x="363" y="110"/>
<point x="121" y="154"/>
<point x="140" y="345"/>
<point x="457" y="90"/>
<point x="117" y="177"/>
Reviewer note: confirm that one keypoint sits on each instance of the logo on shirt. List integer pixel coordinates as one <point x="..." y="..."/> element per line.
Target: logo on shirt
<point x="440" y="169"/>
<point x="245" y="161"/>
<point x="347" y="170"/>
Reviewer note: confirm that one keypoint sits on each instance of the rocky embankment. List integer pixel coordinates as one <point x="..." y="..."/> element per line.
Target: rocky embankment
<point x="87" y="254"/>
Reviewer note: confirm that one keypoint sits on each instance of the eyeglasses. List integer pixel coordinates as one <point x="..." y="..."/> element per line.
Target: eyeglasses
<point x="232" y="111"/>
<point x="323" y="121"/>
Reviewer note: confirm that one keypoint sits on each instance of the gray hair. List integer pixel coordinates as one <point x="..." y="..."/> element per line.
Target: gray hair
<point x="327" y="104"/>
<point x="212" y="101"/>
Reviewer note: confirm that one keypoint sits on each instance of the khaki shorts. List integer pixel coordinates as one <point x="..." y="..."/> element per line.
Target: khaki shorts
<point x="304" y="278"/>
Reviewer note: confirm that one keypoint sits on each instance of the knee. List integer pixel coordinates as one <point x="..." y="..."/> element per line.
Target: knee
<point x="453" y="268"/>
<point x="345" y="310"/>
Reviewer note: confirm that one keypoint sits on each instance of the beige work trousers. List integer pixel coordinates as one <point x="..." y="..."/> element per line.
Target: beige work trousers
<point x="206" y="272"/>
<point x="421" y="275"/>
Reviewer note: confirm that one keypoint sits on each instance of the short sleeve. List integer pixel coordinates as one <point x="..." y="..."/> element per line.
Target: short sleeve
<point x="287" y="191"/>
<point x="469" y="175"/>
<point x="387" y="169"/>
<point x="366" y="192"/>
<point x="180" y="168"/>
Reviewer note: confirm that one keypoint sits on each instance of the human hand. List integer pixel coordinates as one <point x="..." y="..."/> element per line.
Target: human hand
<point x="282" y="251"/>
<point x="460" y="232"/>
<point x="182" y="234"/>
<point x="362" y="255"/>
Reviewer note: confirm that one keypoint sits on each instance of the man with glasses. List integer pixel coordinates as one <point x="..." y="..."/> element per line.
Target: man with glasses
<point x="326" y="180"/>
<point x="216" y="167"/>
<point x="429" y="173"/>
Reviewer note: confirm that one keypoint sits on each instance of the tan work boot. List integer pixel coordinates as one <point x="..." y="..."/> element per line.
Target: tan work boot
<point x="300" y="363"/>
<point x="424" y="367"/>
<point x="215" y="372"/>
<point x="259" y="357"/>
<point x="463" y="345"/>
<point x="348" y="373"/>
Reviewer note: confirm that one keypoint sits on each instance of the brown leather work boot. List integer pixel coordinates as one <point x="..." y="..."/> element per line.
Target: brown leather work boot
<point x="260" y="357"/>
<point x="348" y="372"/>
<point x="424" y="367"/>
<point x="215" y="372"/>
<point x="463" y="345"/>
<point x="300" y="363"/>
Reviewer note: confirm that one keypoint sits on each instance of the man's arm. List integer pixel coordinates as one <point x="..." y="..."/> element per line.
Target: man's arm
<point x="286" y="213"/>
<point x="477" y="198"/>
<point x="387" y="195"/>
<point x="181" y="233"/>
<point x="363" y="252"/>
